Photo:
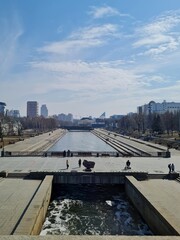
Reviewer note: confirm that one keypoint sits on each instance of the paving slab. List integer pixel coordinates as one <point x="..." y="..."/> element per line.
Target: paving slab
<point x="15" y="195"/>
<point x="102" y="164"/>
<point x="40" y="142"/>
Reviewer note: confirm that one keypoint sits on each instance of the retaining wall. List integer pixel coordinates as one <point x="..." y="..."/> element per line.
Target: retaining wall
<point x="89" y="177"/>
<point x="154" y="218"/>
<point x="33" y="219"/>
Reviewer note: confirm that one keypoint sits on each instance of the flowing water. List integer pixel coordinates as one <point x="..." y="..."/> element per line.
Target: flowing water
<point x="92" y="210"/>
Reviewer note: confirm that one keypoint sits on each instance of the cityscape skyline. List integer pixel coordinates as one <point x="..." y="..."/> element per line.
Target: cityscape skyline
<point x="86" y="57"/>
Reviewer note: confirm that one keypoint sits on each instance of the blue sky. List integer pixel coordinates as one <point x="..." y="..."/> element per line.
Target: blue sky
<point x="86" y="57"/>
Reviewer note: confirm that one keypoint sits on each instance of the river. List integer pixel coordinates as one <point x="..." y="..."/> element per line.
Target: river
<point x="92" y="210"/>
<point x="81" y="141"/>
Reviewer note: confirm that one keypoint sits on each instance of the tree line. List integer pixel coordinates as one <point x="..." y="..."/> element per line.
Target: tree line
<point x="148" y="124"/>
<point x="16" y="126"/>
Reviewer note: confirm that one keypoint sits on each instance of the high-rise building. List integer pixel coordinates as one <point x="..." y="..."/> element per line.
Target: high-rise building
<point x="2" y="107"/>
<point x="32" y="109"/>
<point x="44" y="111"/>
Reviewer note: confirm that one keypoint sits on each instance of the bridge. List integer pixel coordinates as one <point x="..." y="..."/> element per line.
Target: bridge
<point x="78" y="128"/>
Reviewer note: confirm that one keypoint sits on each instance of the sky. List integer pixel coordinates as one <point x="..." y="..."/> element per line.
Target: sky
<point x="87" y="57"/>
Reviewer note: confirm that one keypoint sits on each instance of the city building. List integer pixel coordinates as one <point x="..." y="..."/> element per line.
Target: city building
<point x="44" y="111"/>
<point x="103" y="115"/>
<point x="13" y="113"/>
<point x="32" y="109"/>
<point x="2" y="107"/>
<point x="153" y="107"/>
<point x="65" y="118"/>
<point x="116" y="117"/>
<point x="86" y="121"/>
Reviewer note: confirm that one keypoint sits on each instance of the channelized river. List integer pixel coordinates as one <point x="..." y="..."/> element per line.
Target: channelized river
<point x="81" y="141"/>
<point x="90" y="209"/>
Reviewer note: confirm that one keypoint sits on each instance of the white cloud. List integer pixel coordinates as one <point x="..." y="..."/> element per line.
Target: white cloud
<point x="11" y="31"/>
<point x="96" y="32"/>
<point x="105" y="11"/>
<point x="96" y="76"/>
<point x="84" y="38"/>
<point x="159" y="36"/>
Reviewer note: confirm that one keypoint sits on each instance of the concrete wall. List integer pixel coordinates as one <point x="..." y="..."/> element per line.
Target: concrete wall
<point x="89" y="177"/>
<point x="154" y="219"/>
<point x="33" y="219"/>
<point x="49" y="237"/>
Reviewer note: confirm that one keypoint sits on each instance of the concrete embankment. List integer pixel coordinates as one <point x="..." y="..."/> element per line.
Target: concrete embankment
<point x="155" y="199"/>
<point x="33" y="219"/>
<point x="48" y="237"/>
<point x="23" y="205"/>
<point x="15" y="196"/>
<point x="88" y="177"/>
<point x="127" y="146"/>
<point x="158" y="203"/>
<point x="38" y="143"/>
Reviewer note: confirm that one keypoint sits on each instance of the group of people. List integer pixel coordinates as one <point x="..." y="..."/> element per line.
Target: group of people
<point x="171" y="167"/>
<point x="67" y="163"/>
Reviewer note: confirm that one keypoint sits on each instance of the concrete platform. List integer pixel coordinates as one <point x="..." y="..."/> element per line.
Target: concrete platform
<point x="38" y="143"/>
<point x="158" y="202"/>
<point x="102" y="164"/>
<point x="15" y="196"/>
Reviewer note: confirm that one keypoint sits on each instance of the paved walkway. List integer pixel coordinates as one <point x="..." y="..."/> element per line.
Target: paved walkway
<point x="129" y="141"/>
<point x="102" y="164"/>
<point x="38" y="143"/>
<point x="15" y="195"/>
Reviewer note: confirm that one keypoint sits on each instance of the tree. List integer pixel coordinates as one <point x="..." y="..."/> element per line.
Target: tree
<point x="156" y="124"/>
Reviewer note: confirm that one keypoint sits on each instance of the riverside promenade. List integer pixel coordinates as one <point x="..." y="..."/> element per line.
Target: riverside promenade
<point x="164" y="194"/>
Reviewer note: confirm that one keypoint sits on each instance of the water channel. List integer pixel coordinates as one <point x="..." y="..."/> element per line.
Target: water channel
<point x="90" y="209"/>
<point x="81" y="141"/>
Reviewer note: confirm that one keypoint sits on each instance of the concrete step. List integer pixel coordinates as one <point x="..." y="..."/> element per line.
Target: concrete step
<point x="178" y="179"/>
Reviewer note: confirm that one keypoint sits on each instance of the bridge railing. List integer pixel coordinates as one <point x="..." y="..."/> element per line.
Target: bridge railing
<point x="78" y="154"/>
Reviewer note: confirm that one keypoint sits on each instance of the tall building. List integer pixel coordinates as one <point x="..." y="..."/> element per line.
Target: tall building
<point x="32" y="109"/>
<point x="153" y="107"/>
<point x="2" y="107"/>
<point x="44" y="111"/>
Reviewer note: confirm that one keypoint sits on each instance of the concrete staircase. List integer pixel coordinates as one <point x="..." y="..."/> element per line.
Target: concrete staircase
<point x="178" y="179"/>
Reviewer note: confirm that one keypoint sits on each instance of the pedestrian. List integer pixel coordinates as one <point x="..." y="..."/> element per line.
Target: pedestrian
<point x="170" y="167"/>
<point x="67" y="164"/>
<point x="128" y="163"/>
<point x="79" y="162"/>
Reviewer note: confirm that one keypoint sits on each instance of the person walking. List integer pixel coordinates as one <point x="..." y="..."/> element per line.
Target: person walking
<point x="67" y="164"/>
<point x="170" y="167"/>
<point x="79" y="162"/>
